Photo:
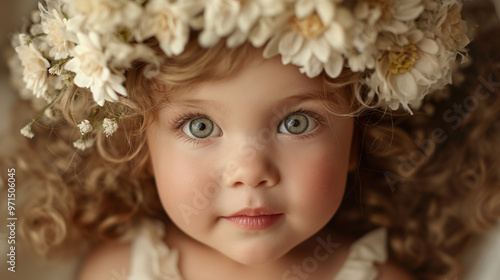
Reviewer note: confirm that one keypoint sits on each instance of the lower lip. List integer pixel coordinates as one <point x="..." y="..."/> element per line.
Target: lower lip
<point x="254" y="222"/>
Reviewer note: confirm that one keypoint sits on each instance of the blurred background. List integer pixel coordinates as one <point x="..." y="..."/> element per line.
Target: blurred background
<point x="482" y="259"/>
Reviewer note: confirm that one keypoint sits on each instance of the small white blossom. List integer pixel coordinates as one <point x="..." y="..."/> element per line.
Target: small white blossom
<point x="27" y="132"/>
<point x="110" y="126"/>
<point x="34" y="66"/>
<point x="82" y="144"/>
<point x="90" y="65"/>
<point x="85" y="127"/>
<point x="49" y="114"/>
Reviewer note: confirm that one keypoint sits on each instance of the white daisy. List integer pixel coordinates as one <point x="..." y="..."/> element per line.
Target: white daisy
<point x="90" y="65"/>
<point x="169" y="22"/>
<point x="110" y="126"/>
<point x="405" y="73"/>
<point x="314" y="40"/>
<point x="35" y="66"/>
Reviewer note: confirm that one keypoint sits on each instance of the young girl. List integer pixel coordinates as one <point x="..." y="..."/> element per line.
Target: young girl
<point x="256" y="139"/>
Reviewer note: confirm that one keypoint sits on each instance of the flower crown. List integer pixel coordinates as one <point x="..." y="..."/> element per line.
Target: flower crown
<point x="406" y="47"/>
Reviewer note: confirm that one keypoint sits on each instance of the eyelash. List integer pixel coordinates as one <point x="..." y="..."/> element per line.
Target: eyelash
<point x="181" y="120"/>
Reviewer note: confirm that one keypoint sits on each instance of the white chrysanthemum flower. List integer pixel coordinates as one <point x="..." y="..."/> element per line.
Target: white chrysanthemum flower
<point x="220" y="17"/>
<point x="121" y="55"/>
<point x="450" y="28"/>
<point x="313" y="38"/>
<point x="408" y="70"/>
<point x="27" y="132"/>
<point x="169" y="22"/>
<point x="374" y="17"/>
<point x="103" y="16"/>
<point x="85" y="127"/>
<point x="110" y="126"/>
<point x="16" y="77"/>
<point x="237" y="18"/>
<point x="90" y="65"/>
<point x="256" y="22"/>
<point x="34" y="66"/>
<point x="82" y="144"/>
<point x="388" y="15"/>
<point x="54" y="25"/>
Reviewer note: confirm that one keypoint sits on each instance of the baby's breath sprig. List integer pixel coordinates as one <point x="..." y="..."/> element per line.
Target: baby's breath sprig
<point x="110" y="126"/>
<point x="86" y="127"/>
<point x="27" y="129"/>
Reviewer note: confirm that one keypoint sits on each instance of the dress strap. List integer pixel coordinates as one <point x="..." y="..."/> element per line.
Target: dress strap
<point x="363" y="254"/>
<point x="151" y="259"/>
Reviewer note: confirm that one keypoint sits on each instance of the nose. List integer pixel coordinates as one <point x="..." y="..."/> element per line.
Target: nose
<point x="254" y="170"/>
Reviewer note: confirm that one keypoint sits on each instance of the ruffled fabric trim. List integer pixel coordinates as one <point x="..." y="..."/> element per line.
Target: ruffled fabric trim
<point x="151" y="259"/>
<point x="363" y="254"/>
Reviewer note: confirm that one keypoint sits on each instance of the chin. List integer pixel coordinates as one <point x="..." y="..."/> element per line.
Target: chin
<point x="255" y="254"/>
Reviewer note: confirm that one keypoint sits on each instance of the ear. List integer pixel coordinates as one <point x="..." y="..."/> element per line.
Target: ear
<point x="355" y="150"/>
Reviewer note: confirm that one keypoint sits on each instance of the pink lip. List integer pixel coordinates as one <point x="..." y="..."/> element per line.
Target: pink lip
<point x="254" y="218"/>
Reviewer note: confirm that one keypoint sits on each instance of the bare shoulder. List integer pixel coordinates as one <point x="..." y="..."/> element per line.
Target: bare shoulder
<point x="106" y="261"/>
<point x="391" y="271"/>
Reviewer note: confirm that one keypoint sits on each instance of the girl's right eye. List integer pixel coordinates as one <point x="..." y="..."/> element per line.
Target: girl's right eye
<point x="201" y="128"/>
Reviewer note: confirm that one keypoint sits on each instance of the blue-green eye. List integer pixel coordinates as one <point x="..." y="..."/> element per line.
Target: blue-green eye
<point x="297" y="124"/>
<point x="201" y="128"/>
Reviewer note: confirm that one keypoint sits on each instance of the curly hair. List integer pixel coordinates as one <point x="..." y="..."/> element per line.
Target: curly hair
<point x="431" y="179"/>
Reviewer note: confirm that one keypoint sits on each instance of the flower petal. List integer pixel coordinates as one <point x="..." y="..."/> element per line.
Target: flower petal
<point x="428" y="46"/>
<point x="290" y="43"/>
<point x="320" y="49"/>
<point x="335" y="65"/>
<point x="325" y="10"/>
<point x="335" y="36"/>
<point x="249" y="15"/>
<point x="304" y="8"/>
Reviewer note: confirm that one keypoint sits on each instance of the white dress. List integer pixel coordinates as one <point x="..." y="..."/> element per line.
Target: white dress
<point x="152" y="259"/>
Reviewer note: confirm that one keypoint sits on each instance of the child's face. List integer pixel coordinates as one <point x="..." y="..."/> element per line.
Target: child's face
<point x="268" y="150"/>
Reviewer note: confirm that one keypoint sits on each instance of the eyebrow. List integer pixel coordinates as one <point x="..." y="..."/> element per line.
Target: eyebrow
<point x="204" y="104"/>
<point x="310" y="95"/>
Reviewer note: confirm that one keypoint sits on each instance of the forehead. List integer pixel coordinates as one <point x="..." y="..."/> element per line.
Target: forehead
<point x="258" y="80"/>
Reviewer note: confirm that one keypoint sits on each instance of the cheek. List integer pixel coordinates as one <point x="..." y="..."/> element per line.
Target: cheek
<point x="319" y="178"/>
<point x="182" y="183"/>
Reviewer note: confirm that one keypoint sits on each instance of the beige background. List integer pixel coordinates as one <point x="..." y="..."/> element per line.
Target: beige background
<point x="482" y="259"/>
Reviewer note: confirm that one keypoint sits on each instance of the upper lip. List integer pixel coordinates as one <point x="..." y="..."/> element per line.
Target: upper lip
<point x="261" y="211"/>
